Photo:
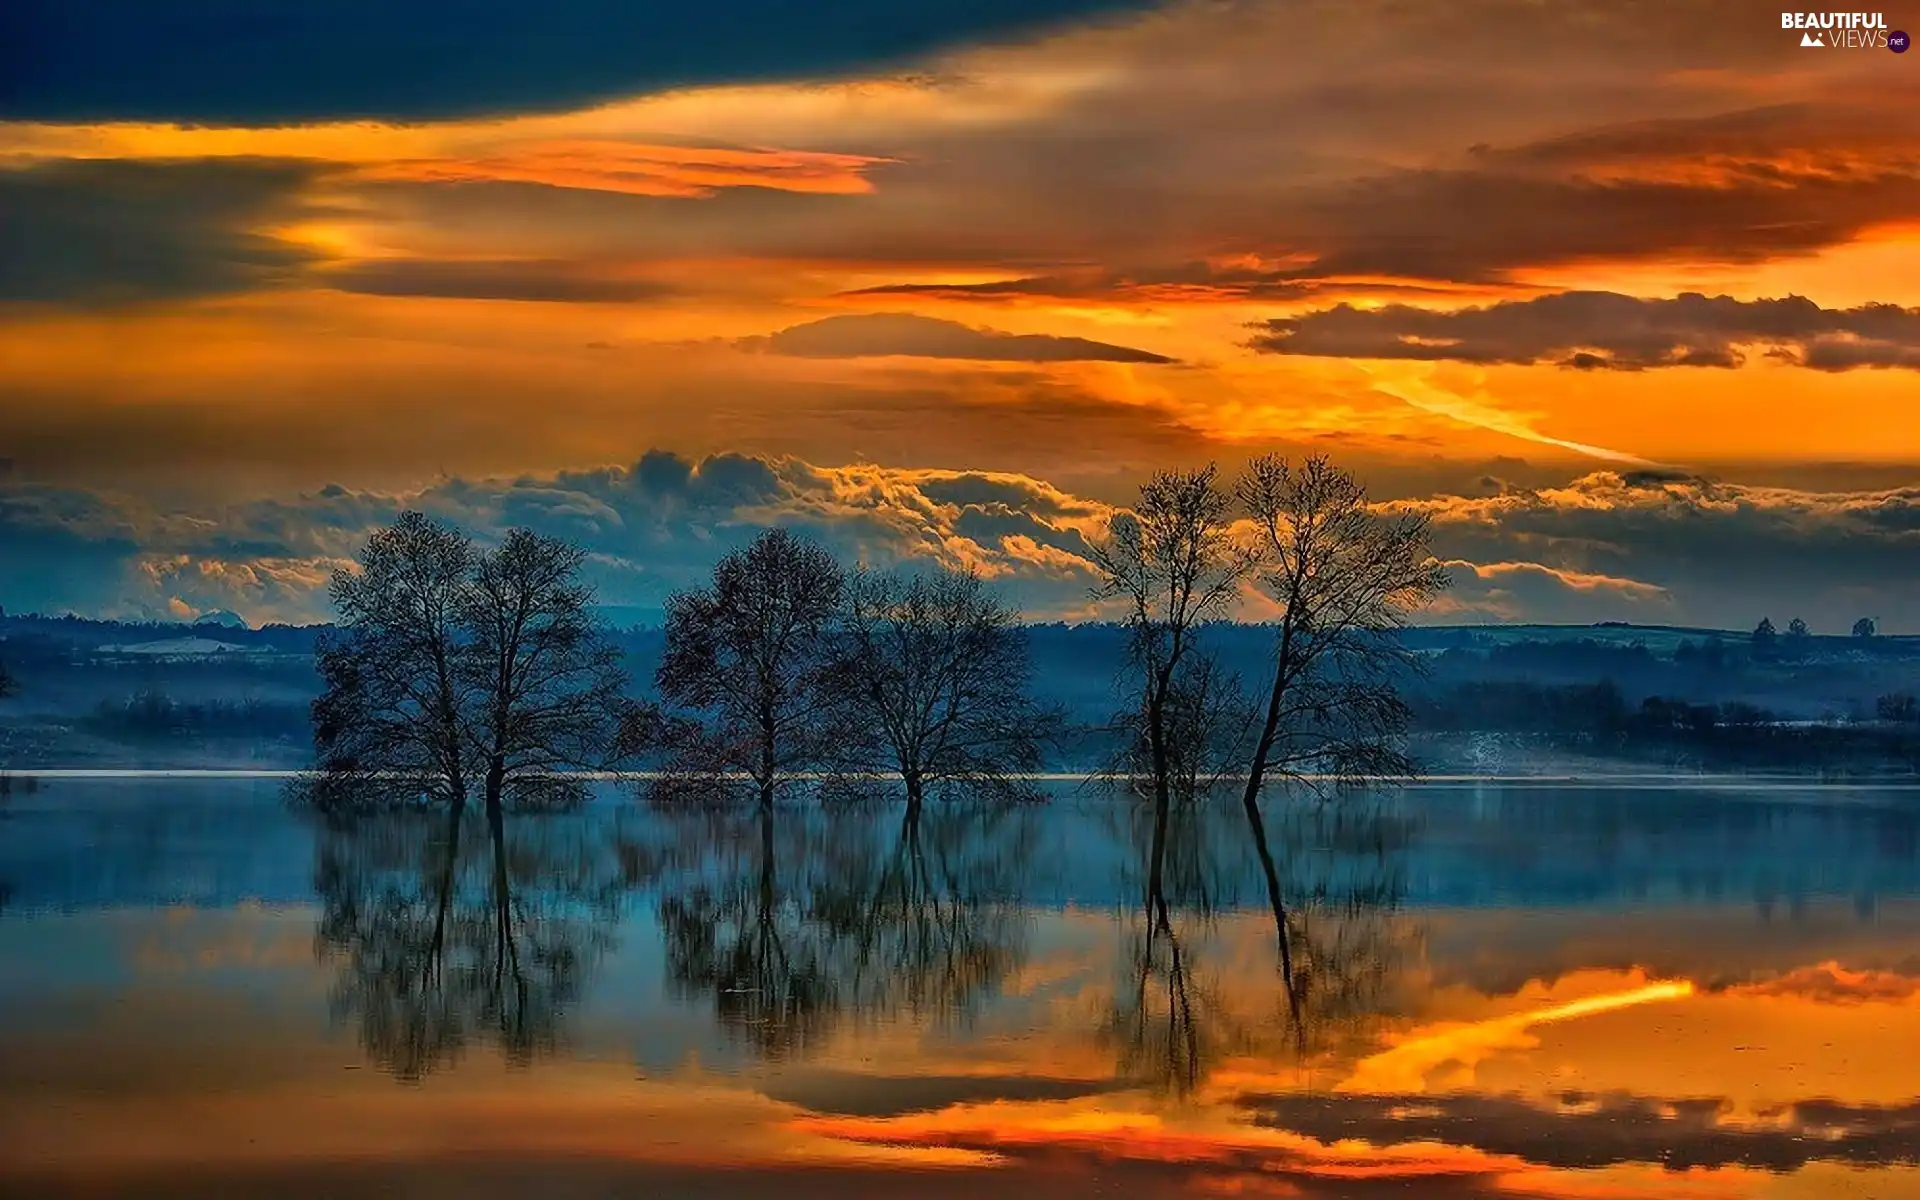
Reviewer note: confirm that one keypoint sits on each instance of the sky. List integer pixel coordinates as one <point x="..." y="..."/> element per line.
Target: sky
<point x="1625" y="296"/>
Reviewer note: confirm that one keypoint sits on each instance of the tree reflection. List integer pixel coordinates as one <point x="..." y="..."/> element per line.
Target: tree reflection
<point x="1332" y="877"/>
<point x="927" y="920"/>
<point x="737" y="928"/>
<point x="796" y="919"/>
<point x="447" y="932"/>
<point x="1168" y="1024"/>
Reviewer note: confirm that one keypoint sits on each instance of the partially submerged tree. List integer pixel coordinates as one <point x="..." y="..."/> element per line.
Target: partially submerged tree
<point x="1205" y="732"/>
<point x="458" y="674"/>
<point x="545" y="683"/>
<point x="1173" y="564"/>
<point x="936" y="677"/>
<point x="394" y="704"/>
<point x="1343" y="579"/>
<point x="751" y="654"/>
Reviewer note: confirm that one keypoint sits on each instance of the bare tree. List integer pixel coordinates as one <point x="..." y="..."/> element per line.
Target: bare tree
<point x="1174" y="564"/>
<point x="545" y="683"/>
<point x="1344" y="579"/>
<point x="1206" y="730"/>
<point x="393" y="702"/>
<point x="935" y="669"/>
<point x="456" y="671"/>
<point x="751" y="652"/>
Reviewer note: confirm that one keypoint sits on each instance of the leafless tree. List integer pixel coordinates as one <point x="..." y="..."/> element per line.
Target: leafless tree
<point x="457" y="671"/>
<point x="1174" y="564"/>
<point x="751" y="654"/>
<point x="8" y="687"/>
<point x="393" y="703"/>
<point x="1343" y="579"/>
<point x="935" y="671"/>
<point x="546" y="684"/>
<point x="1206" y="730"/>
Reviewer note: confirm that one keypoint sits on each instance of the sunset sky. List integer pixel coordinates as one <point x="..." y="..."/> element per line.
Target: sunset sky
<point x="1625" y="295"/>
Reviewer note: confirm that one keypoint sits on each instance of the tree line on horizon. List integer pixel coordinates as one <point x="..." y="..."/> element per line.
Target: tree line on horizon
<point x="459" y="675"/>
<point x="479" y="675"/>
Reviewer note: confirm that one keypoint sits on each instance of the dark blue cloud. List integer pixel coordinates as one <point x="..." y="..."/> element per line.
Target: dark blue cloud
<point x="876" y="335"/>
<point x="99" y="232"/>
<point x="266" y="61"/>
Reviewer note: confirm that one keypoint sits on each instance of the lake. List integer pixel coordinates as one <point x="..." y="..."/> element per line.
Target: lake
<point x="1687" y="988"/>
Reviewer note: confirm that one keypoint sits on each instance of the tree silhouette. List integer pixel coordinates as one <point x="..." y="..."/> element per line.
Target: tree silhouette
<point x="1343" y="580"/>
<point x="937" y="679"/>
<point x="457" y="672"/>
<point x="750" y="654"/>
<point x="1864" y="627"/>
<point x="7" y="688"/>
<point x="1173" y="564"/>
<point x="1765" y="640"/>
<point x="547" y="683"/>
<point x="393" y="703"/>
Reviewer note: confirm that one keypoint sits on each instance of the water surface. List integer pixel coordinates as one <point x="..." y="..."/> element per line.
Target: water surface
<point x="1706" y="989"/>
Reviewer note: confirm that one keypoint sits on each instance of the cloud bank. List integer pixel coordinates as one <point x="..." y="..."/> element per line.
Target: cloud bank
<point x="1595" y="330"/>
<point x="649" y="528"/>
<point x="1644" y="546"/>
<point x="875" y="335"/>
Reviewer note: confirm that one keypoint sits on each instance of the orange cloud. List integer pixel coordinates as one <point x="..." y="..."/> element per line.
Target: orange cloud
<point x="1831" y="983"/>
<point x="640" y="169"/>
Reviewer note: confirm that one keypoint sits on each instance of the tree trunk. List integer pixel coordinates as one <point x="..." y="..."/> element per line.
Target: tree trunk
<point x="769" y="761"/>
<point x="1162" y="791"/>
<point x="916" y="793"/>
<point x="1270" y="728"/>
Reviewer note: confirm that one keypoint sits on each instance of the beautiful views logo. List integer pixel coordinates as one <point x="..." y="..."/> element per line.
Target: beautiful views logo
<point x="1844" y="31"/>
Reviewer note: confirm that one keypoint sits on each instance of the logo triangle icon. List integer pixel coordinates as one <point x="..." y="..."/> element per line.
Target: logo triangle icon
<point x="1811" y="39"/>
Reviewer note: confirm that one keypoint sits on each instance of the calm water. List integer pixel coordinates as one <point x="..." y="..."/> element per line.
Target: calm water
<point x="1541" y="991"/>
